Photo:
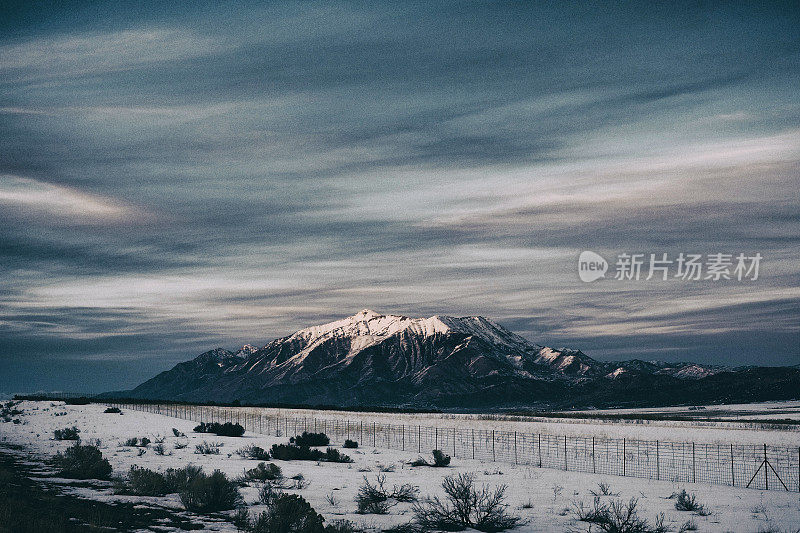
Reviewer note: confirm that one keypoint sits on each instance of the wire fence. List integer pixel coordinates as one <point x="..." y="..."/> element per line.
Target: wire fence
<point x="752" y="466"/>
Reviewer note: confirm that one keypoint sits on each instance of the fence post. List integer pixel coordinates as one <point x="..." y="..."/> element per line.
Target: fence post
<point x="624" y="457"/>
<point x="766" y="465"/>
<point x="694" y="466"/>
<point x="565" y="453"/>
<point x="733" y="477"/>
<point x="373" y="434"/>
<point x="473" y="444"/>
<point x="516" y="462"/>
<point x="493" y="454"/>
<point x="436" y="438"/>
<point x="419" y="444"/>
<point x="594" y="461"/>
<point x="539" y="435"/>
<point x="403" y="432"/>
<point x="454" y="442"/>
<point x="658" y="465"/>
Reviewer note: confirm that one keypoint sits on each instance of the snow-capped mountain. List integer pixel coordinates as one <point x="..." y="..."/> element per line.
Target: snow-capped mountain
<point x="375" y="359"/>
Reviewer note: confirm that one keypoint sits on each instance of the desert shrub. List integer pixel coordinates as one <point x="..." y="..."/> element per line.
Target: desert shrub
<point x="179" y="479"/>
<point x="618" y="517"/>
<point x="465" y="507"/>
<point x="208" y="448"/>
<point x="221" y="430"/>
<point x="111" y="410"/>
<point x="440" y="459"/>
<point x="82" y="462"/>
<point x="181" y="445"/>
<point x="332" y="455"/>
<point x="160" y="449"/>
<point x="377" y="499"/>
<point x="144" y="482"/>
<point x="136" y="442"/>
<point x="263" y="472"/>
<point x="251" y="451"/>
<point x="310" y="439"/>
<point x="288" y="513"/>
<point x="210" y="493"/>
<point x="350" y="444"/>
<point x="177" y="433"/>
<point x="689" y="525"/>
<point x="340" y="526"/>
<point x="604" y="489"/>
<point x="268" y="493"/>
<point x="67" y="434"/>
<point x="688" y="502"/>
<point x="290" y="452"/>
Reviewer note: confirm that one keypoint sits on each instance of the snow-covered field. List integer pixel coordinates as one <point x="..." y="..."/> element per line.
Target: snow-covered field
<point x="542" y="497"/>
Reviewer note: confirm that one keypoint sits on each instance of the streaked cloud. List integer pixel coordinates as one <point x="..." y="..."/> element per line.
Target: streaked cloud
<point x="173" y="180"/>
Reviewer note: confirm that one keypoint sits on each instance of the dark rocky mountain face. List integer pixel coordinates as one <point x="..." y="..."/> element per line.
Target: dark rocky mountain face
<point x="373" y="359"/>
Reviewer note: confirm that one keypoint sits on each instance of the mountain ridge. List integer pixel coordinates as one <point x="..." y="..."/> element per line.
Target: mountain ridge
<point x="444" y="361"/>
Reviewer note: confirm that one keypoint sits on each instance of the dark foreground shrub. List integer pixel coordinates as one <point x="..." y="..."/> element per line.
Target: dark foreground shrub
<point x="440" y="459"/>
<point x="67" y="433"/>
<point x="208" y="494"/>
<point x="112" y="410"/>
<point x="144" y="482"/>
<point x="350" y="444"/>
<point x="179" y="479"/>
<point x="221" y="430"/>
<point x="289" y="513"/>
<point x="82" y="462"/>
<point x="310" y="439"/>
<point x="465" y="507"/>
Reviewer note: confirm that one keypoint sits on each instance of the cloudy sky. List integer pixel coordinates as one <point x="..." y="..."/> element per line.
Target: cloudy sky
<point x="173" y="180"/>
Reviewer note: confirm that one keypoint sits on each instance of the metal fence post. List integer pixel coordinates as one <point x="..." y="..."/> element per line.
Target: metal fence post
<point x="539" y="435"/>
<point x="565" y="453"/>
<point x="624" y="457"/>
<point x="766" y="464"/>
<point x="694" y="466"/>
<point x="473" y="443"/>
<point x="516" y="462"/>
<point x="594" y="461"/>
<point x="493" y="454"/>
<point x="658" y="465"/>
<point x="733" y="477"/>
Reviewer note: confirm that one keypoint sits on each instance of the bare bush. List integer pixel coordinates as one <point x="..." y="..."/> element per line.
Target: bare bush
<point x="465" y="507"/>
<point x="208" y="448"/>
<point x="617" y="517"/>
<point x="377" y="499"/>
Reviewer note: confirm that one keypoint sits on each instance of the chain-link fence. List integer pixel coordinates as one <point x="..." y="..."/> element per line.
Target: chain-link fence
<point x="741" y="465"/>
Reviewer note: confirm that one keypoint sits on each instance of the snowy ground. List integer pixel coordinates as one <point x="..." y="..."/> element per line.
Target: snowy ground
<point x="549" y="493"/>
